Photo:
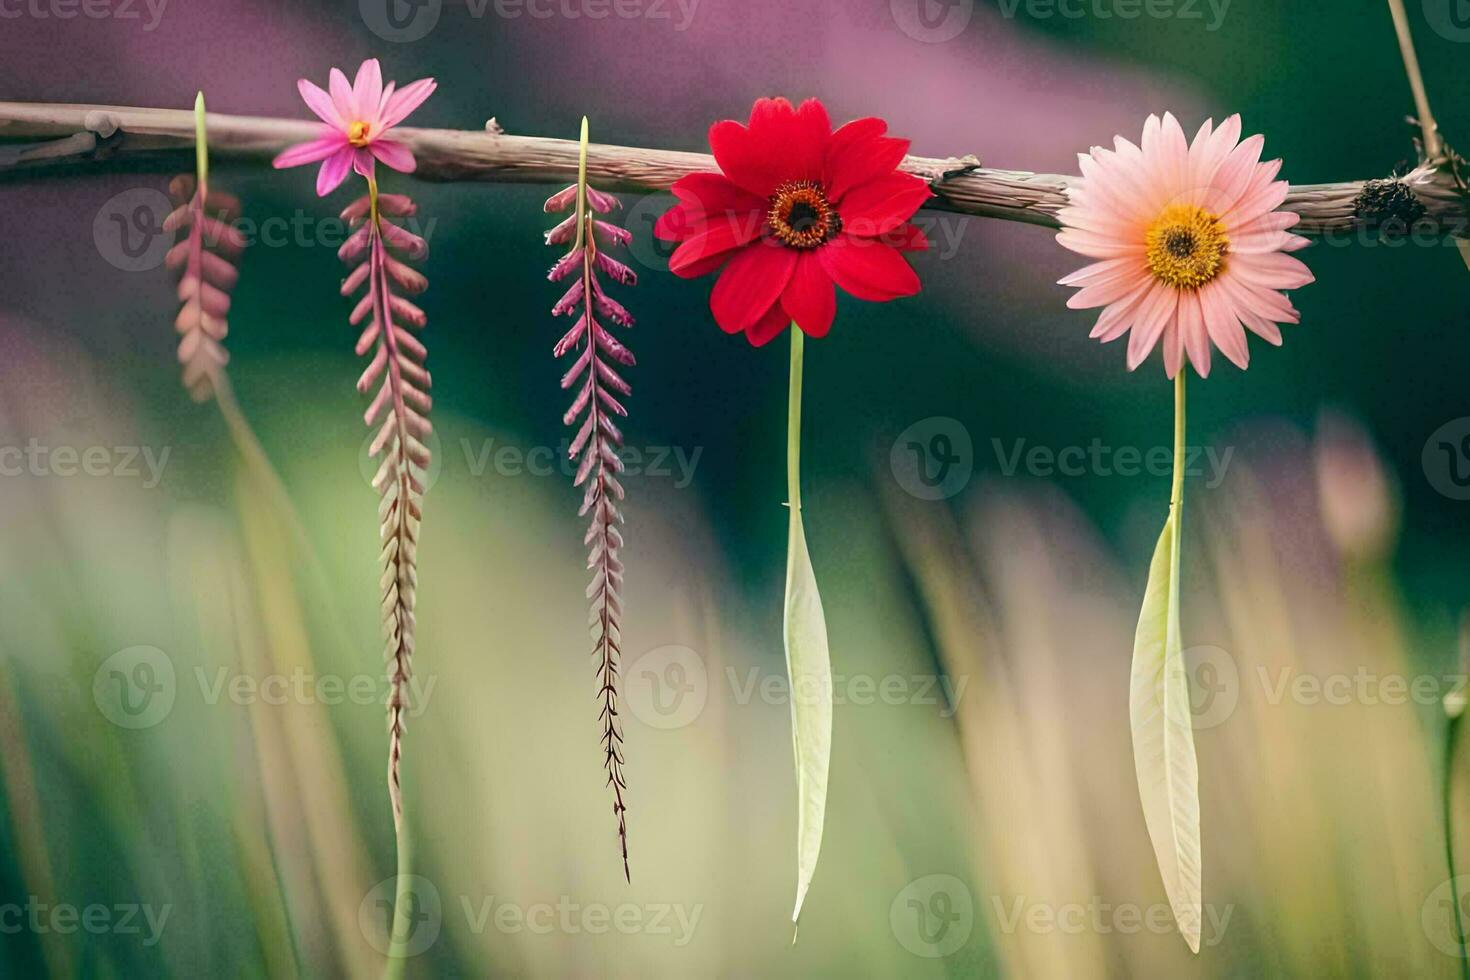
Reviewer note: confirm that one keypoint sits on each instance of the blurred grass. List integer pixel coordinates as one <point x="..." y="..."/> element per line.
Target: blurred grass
<point x="264" y="828"/>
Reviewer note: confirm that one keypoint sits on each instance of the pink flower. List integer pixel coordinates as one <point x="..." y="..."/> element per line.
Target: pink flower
<point x="1189" y="242"/>
<point x="356" y="121"/>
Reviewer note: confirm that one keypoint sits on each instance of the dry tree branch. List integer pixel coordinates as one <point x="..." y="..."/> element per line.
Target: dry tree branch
<point x="154" y="138"/>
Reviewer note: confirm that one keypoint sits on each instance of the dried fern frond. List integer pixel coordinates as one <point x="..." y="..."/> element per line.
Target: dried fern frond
<point x="598" y="439"/>
<point x="400" y="411"/>
<point x="205" y="259"/>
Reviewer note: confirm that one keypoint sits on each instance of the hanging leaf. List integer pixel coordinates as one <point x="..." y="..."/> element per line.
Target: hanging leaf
<point x="598" y="438"/>
<point x="205" y="261"/>
<point x="808" y="662"/>
<point x="399" y="410"/>
<point x="1163" y="732"/>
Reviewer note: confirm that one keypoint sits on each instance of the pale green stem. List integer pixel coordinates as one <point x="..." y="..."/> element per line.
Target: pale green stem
<point x="1447" y="788"/>
<point x="201" y="148"/>
<point x="1176" y="491"/>
<point x="399" y="937"/>
<point x="793" y="422"/>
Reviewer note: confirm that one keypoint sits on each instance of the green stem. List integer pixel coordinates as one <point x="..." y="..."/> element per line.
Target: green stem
<point x="1447" y="786"/>
<point x="1176" y="490"/>
<point x="402" y="898"/>
<point x="793" y="421"/>
<point x="201" y="147"/>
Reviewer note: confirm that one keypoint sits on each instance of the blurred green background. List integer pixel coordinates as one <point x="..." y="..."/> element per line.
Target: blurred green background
<point x="983" y="818"/>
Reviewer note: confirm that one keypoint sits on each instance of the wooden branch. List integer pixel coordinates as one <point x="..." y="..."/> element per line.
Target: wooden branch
<point x="159" y="139"/>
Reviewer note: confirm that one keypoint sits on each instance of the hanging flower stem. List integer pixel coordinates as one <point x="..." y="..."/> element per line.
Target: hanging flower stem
<point x="793" y="423"/>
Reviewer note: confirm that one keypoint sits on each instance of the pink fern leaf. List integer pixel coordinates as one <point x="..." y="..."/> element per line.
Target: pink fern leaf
<point x="204" y="258"/>
<point x="398" y="413"/>
<point x="597" y="440"/>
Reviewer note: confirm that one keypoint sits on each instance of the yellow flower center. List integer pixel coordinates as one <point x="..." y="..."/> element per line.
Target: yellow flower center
<point x="357" y="133"/>
<point x="801" y="216"/>
<point x="1186" y="246"/>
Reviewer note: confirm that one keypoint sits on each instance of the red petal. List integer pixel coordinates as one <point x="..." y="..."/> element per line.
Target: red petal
<point x="906" y="238"/>
<point x="712" y="193"/>
<point x="868" y="269"/>
<point x="810" y="298"/>
<point x="882" y="205"/>
<point x="780" y="144"/>
<point x="677" y="224"/>
<point x="711" y="242"/>
<point x="858" y="155"/>
<point x="750" y="285"/>
<point x="768" y="327"/>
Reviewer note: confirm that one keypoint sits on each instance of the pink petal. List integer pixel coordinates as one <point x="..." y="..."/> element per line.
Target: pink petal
<point x="1223" y="326"/>
<point x="320" y="103"/>
<point x="367" y="90"/>
<point x="394" y="154"/>
<point x="397" y="106"/>
<point x="362" y="161"/>
<point x="342" y="95"/>
<point x="1155" y="313"/>
<point x="1192" y="335"/>
<point x="334" y="171"/>
<point x="1273" y="270"/>
<point x="301" y="153"/>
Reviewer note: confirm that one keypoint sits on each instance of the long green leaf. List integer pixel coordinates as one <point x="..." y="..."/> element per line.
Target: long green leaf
<point x="808" y="664"/>
<point x="1158" y="707"/>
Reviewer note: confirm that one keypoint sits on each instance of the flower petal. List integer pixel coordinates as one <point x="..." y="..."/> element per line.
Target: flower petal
<point x="810" y="297"/>
<point x="334" y="170"/>
<point x="1192" y="334"/>
<point x="367" y="90"/>
<point x="320" y="103"/>
<point x="362" y="161"/>
<point x="882" y="205"/>
<point x="394" y="154"/>
<point x="705" y="250"/>
<point x="302" y="153"/>
<point x="341" y="91"/>
<point x="853" y="160"/>
<point x="712" y="193"/>
<point x="768" y="327"/>
<point x="397" y="106"/>
<point x="1154" y="315"/>
<point x="750" y="284"/>
<point x="780" y="143"/>
<point x="868" y="269"/>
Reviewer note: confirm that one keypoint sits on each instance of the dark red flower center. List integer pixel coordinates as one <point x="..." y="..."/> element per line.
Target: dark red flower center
<point x="801" y="216"/>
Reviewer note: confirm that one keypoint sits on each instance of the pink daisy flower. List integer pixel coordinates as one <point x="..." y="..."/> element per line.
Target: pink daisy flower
<point x="356" y="119"/>
<point x="1191" y="248"/>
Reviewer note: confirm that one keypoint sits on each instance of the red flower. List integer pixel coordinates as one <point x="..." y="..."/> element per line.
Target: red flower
<point x="797" y="209"/>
